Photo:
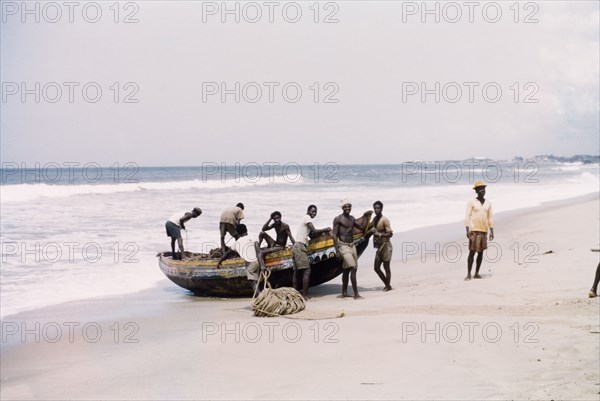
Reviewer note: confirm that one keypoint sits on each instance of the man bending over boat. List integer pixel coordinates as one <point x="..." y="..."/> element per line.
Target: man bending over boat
<point x="343" y="226"/>
<point x="305" y="232"/>
<point x="175" y="224"/>
<point x="230" y="218"/>
<point x="247" y="248"/>
<point x="282" y="230"/>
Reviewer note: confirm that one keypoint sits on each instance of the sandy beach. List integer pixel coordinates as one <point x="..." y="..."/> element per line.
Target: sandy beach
<point x="527" y="330"/>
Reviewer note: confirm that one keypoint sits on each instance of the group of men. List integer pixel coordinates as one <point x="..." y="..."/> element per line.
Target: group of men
<point x="251" y="251"/>
<point x="478" y="221"/>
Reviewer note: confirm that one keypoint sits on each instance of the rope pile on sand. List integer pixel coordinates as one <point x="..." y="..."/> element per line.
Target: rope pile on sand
<point x="274" y="302"/>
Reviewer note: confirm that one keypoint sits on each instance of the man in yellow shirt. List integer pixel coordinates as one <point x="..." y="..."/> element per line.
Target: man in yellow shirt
<point x="478" y="219"/>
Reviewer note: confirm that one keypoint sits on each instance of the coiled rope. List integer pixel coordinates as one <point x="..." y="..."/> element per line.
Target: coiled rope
<point x="274" y="302"/>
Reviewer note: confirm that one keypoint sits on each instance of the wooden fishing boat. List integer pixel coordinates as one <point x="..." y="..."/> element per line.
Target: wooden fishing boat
<point x="200" y="275"/>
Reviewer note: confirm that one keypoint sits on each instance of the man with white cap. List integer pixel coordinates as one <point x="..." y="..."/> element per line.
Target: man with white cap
<point x="478" y="219"/>
<point x="343" y="226"/>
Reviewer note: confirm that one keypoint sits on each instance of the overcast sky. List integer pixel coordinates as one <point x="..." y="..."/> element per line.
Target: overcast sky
<point x="510" y="80"/>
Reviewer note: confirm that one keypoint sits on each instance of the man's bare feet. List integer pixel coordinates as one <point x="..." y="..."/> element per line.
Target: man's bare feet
<point x="357" y="296"/>
<point x="476" y="275"/>
<point x="387" y="288"/>
<point x="345" y="295"/>
<point x="468" y="277"/>
<point x="592" y="294"/>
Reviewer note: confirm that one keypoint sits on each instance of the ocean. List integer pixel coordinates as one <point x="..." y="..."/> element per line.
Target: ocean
<point x="78" y="231"/>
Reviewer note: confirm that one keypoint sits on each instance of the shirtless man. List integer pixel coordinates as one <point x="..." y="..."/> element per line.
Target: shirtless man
<point x="382" y="232"/>
<point x="282" y="230"/>
<point x="343" y="226"/>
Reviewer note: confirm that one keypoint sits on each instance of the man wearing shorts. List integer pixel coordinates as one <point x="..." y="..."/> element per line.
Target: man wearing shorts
<point x="175" y="224"/>
<point x="230" y="218"/>
<point x="343" y="226"/>
<point x="282" y="232"/>
<point x="382" y="232"/>
<point x="247" y="248"/>
<point x="478" y="219"/>
<point x="306" y="231"/>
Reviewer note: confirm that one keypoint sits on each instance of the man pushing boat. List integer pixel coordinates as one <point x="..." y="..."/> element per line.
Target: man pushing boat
<point x="306" y="231"/>
<point x="343" y="226"/>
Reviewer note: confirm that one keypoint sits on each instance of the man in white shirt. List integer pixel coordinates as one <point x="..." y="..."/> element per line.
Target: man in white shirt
<point x="478" y="219"/>
<point x="248" y="249"/>
<point x="306" y="231"/>
<point x="175" y="224"/>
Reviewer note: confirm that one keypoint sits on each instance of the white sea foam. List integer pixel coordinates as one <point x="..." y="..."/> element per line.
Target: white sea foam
<point x="27" y="192"/>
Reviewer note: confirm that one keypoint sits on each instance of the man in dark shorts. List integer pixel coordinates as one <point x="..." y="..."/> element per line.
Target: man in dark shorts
<point x="343" y="226"/>
<point x="175" y="224"/>
<point x="382" y="232"/>
<point x="282" y="230"/>
<point x="230" y="218"/>
<point x="306" y="231"/>
<point x="478" y="219"/>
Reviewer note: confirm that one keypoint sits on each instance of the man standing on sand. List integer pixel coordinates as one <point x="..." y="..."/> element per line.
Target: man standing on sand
<point x="478" y="219"/>
<point x="174" y="225"/>
<point x="230" y="218"/>
<point x="305" y="232"/>
<point x="382" y="232"/>
<point x="282" y="230"/>
<point x="343" y="226"/>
